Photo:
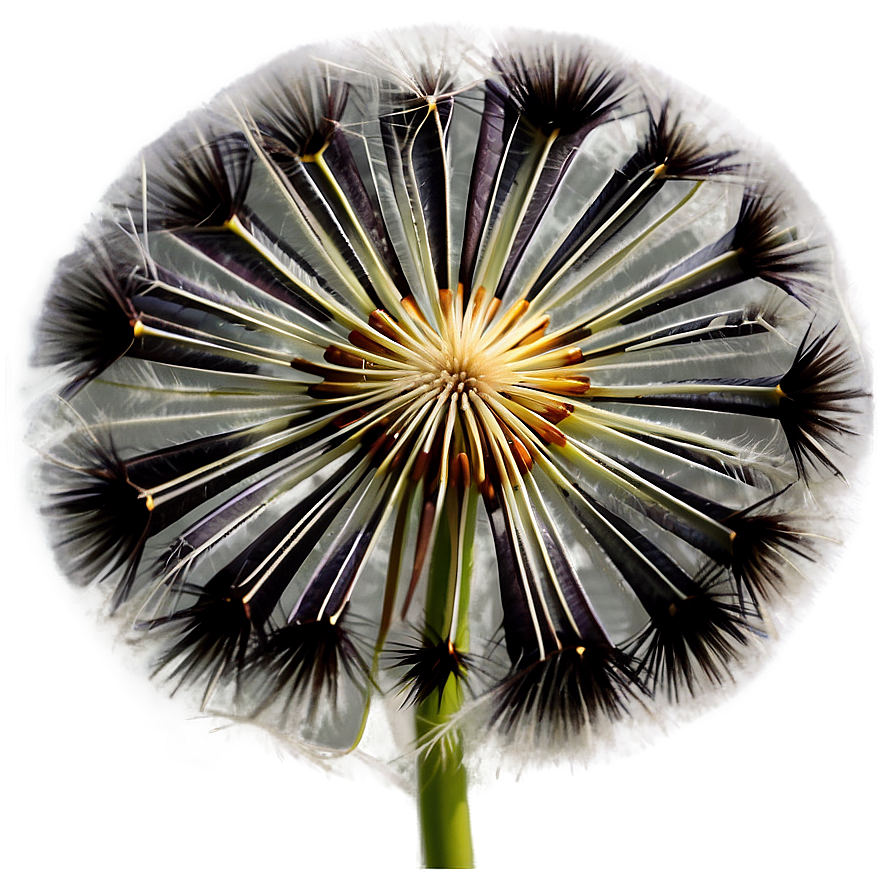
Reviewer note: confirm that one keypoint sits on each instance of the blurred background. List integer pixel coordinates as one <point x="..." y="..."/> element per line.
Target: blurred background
<point x="109" y="786"/>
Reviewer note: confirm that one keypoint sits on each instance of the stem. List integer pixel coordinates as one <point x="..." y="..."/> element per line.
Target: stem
<point x="446" y="837"/>
<point x="442" y="789"/>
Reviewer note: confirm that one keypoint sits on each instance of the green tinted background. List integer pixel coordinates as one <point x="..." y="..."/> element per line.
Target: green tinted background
<point x="107" y="789"/>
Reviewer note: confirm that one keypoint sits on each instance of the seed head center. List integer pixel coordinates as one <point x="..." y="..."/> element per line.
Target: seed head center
<point x="457" y="379"/>
<point x="469" y="368"/>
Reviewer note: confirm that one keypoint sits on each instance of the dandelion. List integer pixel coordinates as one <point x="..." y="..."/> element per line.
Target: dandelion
<point x="488" y="381"/>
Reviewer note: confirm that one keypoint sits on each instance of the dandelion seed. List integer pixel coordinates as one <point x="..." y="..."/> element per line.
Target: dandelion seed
<point x="485" y="382"/>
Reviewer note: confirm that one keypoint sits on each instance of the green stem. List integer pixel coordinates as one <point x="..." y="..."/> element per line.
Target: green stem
<point x="442" y="789"/>
<point x="441" y="776"/>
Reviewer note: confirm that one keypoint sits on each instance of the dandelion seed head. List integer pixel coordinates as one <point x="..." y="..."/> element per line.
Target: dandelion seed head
<point x="437" y="372"/>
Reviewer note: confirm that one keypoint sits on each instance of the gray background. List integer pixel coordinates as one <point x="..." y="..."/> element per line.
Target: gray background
<point x="111" y="787"/>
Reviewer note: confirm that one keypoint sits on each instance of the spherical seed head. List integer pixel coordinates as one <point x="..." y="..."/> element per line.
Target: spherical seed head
<point x="487" y="360"/>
